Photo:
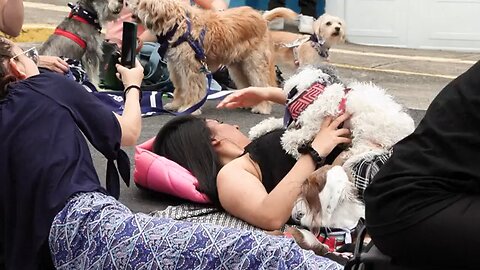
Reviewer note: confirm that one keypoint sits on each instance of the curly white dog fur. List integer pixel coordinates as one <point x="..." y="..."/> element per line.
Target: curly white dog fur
<point x="377" y="122"/>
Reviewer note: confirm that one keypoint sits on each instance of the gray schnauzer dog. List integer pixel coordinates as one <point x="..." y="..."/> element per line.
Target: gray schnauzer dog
<point x="79" y="35"/>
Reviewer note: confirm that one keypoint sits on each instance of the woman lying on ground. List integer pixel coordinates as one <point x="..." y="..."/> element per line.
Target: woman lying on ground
<point x="55" y="214"/>
<point x="423" y="207"/>
<point x="256" y="181"/>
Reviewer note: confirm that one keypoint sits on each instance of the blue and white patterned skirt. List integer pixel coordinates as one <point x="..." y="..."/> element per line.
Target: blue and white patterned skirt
<point x="95" y="231"/>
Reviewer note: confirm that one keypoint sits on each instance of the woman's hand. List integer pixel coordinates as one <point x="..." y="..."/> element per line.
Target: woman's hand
<point x="53" y="63"/>
<point x="132" y="76"/>
<point x="131" y="119"/>
<point x="251" y="96"/>
<point x="330" y="135"/>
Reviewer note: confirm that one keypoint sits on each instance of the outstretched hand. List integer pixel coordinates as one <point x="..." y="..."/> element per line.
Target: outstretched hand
<point x="53" y="63"/>
<point x="251" y="96"/>
<point x="330" y="135"/>
<point x="247" y="97"/>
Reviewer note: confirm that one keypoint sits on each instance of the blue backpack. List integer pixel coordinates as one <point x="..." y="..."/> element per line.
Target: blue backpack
<point x="156" y="76"/>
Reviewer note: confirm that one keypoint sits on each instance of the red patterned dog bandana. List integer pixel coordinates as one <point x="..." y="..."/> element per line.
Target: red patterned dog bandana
<point x="298" y="105"/>
<point x="298" y="102"/>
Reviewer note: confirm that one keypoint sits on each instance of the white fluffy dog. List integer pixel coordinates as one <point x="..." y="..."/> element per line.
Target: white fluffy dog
<point x="377" y="122"/>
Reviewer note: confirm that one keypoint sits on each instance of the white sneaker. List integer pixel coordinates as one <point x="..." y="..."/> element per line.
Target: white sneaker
<point x="305" y="24"/>
<point x="277" y="24"/>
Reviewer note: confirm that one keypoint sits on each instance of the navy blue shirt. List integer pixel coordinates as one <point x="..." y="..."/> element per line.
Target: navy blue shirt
<point x="45" y="159"/>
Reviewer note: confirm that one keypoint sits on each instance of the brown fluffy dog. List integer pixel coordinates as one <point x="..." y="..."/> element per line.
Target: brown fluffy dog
<point x="295" y="50"/>
<point x="237" y="38"/>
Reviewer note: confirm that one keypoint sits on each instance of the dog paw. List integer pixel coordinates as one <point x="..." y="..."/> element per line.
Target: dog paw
<point x="263" y="108"/>
<point x="171" y="106"/>
<point x="197" y="112"/>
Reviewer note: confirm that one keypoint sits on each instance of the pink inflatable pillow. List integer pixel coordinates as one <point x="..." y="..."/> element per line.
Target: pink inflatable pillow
<point x="160" y="174"/>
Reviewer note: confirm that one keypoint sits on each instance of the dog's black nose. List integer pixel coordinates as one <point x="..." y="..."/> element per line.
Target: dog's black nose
<point x="298" y="216"/>
<point x="337" y="29"/>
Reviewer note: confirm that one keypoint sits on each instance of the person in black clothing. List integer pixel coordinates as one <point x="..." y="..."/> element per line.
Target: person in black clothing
<point x="308" y="10"/>
<point x="307" y="7"/>
<point x="423" y="206"/>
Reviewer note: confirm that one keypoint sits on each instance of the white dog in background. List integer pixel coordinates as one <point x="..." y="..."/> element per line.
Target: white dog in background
<point x="296" y="50"/>
<point x="377" y="122"/>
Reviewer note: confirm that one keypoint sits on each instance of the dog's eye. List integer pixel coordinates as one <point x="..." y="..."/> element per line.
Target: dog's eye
<point x="339" y="23"/>
<point x="329" y="23"/>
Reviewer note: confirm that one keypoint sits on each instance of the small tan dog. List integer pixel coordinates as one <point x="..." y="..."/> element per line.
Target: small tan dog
<point x="295" y="50"/>
<point x="237" y="38"/>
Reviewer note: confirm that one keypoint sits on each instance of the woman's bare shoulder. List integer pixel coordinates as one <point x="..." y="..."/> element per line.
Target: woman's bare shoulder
<point x="239" y="166"/>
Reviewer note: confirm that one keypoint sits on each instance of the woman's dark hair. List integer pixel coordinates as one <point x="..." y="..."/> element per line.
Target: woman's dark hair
<point x="5" y="76"/>
<point x="187" y="140"/>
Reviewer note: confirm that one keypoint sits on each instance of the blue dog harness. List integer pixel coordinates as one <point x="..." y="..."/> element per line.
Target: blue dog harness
<point x="197" y="47"/>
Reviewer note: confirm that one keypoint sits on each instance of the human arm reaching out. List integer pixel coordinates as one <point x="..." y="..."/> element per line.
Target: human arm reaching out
<point x="131" y="119"/>
<point x="212" y="4"/>
<point x="11" y="17"/>
<point x="251" y="96"/>
<point x="243" y="195"/>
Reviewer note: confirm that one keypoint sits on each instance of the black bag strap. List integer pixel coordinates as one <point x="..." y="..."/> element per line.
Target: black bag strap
<point x="355" y="262"/>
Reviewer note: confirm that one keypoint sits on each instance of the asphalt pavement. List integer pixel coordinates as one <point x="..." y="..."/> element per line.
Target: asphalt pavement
<point x="413" y="77"/>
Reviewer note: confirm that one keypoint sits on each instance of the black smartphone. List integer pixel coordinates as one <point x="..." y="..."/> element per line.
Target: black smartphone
<point x="129" y="44"/>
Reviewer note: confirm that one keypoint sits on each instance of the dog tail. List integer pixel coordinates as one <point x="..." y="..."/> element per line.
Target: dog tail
<point x="280" y="12"/>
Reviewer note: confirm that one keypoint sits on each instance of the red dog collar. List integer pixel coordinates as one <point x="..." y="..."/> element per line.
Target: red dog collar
<point x="72" y="37"/>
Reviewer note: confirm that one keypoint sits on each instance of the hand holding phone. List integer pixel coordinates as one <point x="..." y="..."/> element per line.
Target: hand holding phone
<point x="129" y="44"/>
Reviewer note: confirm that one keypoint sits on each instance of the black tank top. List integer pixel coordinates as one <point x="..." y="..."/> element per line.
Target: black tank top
<point x="273" y="161"/>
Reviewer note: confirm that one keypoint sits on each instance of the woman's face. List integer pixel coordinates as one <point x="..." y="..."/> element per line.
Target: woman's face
<point x="24" y="62"/>
<point x="222" y="131"/>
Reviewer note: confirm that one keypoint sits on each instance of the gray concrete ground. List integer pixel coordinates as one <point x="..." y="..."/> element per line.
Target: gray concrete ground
<point x="413" y="77"/>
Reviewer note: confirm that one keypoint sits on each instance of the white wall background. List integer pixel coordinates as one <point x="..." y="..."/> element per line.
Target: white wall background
<point x="425" y="24"/>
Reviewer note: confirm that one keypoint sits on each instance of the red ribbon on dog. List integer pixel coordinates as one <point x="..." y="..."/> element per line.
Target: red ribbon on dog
<point x="297" y="106"/>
